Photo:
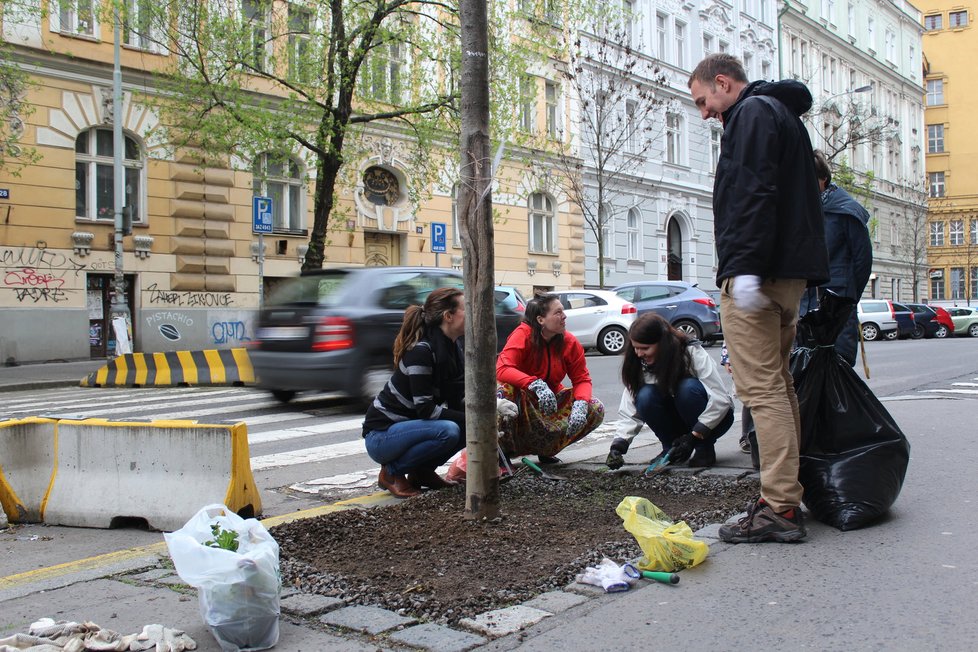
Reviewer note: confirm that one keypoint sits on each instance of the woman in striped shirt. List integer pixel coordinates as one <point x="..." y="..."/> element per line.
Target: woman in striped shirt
<point x="417" y="421"/>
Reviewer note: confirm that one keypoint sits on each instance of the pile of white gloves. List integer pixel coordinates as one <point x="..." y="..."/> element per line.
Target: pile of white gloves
<point x="46" y="635"/>
<point x="608" y="575"/>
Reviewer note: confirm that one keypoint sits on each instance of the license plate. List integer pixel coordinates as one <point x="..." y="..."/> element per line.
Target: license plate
<point x="283" y="333"/>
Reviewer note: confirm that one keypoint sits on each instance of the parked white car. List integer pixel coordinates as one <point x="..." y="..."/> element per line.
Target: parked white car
<point x="600" y="319"/>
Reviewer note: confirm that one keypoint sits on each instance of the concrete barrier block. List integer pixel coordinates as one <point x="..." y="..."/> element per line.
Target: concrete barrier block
<point x="27" y="461"/>
<point x="207" y="367"/>
<point x="110" y="473"/>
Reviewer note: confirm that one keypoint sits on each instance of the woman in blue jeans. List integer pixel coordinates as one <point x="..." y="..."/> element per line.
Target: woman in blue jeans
<point x="673" y="386"/>
<point x="417" y="421"/>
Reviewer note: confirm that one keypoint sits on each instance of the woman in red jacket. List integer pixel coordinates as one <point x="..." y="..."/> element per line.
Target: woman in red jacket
<point x="530" y="370"/>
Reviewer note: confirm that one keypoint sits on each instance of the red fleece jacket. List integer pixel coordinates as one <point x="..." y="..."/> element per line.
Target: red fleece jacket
<point x="520" y="363"/>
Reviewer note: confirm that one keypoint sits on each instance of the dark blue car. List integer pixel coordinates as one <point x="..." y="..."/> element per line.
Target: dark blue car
<point x="906" y="325"/>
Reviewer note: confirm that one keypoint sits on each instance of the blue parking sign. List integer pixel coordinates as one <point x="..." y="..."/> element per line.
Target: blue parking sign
<point x="439" y="239"/>
<point x="261" y="215"/>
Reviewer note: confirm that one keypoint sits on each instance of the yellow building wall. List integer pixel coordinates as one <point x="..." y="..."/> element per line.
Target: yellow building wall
<point x="944" y="49"/>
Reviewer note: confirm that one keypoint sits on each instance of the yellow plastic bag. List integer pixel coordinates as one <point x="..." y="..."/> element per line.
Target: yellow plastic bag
<point x="667" y="546"/>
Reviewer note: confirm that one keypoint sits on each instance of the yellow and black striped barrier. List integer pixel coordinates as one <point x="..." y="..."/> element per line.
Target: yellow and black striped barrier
<point x="207" y="367"/>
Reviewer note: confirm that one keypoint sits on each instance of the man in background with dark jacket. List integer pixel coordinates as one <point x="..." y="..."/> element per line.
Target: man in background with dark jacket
<point x="770" y="241"/>
<point x="850" y="254"/>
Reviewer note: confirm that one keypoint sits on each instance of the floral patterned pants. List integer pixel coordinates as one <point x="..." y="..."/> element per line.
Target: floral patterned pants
<point x="535" y="433"/>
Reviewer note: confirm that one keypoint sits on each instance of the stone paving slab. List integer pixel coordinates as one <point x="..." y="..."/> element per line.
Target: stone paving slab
<point x="501" y="622"/>
<point x="437" y="638"/>
<point x="310" y="604"/>
<point x="172" y="580"/>
<point x="555" y="601"/>
<point x="711" y="531"/>
<point x="369" y="620"/>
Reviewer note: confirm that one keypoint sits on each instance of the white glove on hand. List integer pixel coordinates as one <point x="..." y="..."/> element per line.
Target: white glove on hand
<point x="506" y="409"/>
<point x="577" y="418"/>
<point x="746" y="293"/>
<point x="608" y="575"/>
<point x="546" y="398"/>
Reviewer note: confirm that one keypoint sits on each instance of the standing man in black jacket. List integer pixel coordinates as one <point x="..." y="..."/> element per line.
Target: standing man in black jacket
<point x="770" y="243"/>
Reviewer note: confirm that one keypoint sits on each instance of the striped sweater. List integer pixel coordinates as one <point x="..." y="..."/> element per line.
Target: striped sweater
<point x="429" y="383"/>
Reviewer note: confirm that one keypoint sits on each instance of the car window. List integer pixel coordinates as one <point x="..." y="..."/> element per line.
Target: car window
<point x="900" y="307"/>
<point x="628" y="294"/>
<point x="403" y="289"/>
<point x="652" y="292"/>
<point x="321" y="289"/>
<point x="574" y="301"/>
<point x="875" y="306"/>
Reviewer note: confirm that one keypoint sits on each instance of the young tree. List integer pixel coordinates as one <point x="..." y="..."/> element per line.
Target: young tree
<point x="475" y="218"/>
<point x="616" y="89"/>
<point x="842" y="123"/>
<point x="913" y="230"/>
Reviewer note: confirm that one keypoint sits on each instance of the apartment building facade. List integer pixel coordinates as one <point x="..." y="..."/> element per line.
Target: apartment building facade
<point x="660" y="215"/>
<point x="952" y="154"/>
<point x="862" y="61"/>
<point x="191" y="265"/>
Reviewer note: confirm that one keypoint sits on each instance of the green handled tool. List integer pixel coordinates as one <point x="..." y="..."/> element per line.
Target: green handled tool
<point x="657" y="466"/>
<point x="665" y="578"/>
<point x="540" y="472"/>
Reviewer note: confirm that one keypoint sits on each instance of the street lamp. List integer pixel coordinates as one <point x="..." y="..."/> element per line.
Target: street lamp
<point x="120" y="307"/>
<point x="862" y="89"/>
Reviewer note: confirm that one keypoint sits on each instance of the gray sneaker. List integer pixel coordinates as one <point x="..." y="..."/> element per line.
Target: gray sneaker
<point x="763" y="524"/>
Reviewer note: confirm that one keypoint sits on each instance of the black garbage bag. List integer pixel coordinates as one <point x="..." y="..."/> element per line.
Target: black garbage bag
<point x="853" y="454"/>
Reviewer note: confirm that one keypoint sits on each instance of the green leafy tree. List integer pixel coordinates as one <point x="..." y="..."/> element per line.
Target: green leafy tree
<point x="15" y="82"/>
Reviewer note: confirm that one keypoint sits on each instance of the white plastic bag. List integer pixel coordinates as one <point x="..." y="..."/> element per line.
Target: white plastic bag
<point x="238" y="591"/>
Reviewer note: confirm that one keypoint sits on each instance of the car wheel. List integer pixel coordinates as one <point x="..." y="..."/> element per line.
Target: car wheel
<point x="941" y="332"/>
<point x="973" y="330"/>
<point x="870" y="332"/>
<point x="374" y="379"/>
<point x="611" y="341"/>
<point x="892" y="335"/>
<point x="689" y="329"/>
<point x="284" y="395"/>
<point x="918" y="332"/>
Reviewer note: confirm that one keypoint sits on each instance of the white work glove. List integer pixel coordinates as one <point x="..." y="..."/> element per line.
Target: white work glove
<point x="746" y="293"/>
<point x="506" y="409"/>
<point x="608" y="575"/>
<point x="163" y="639"/>
<point x="577" y="418"/>
<point x="546" y="398"/>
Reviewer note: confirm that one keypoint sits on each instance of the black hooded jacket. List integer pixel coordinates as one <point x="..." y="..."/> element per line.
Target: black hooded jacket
<point x="767" y="212"/>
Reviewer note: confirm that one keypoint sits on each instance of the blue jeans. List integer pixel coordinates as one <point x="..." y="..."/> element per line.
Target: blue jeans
<point x="671" y="417"/>
<point x="419" y="444"/>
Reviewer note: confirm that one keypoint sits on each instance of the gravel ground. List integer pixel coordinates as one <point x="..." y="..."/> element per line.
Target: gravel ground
<point x="421" y="558"/>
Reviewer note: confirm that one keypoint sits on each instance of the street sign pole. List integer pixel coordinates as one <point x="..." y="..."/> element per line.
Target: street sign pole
<point x="261" y="223"/>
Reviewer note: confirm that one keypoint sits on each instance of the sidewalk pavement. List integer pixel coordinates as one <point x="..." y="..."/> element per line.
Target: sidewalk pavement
<point x="48" y="374"/>
<point x="907" y="583"/>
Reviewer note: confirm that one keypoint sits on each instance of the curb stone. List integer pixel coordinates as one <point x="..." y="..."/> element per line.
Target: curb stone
<point x="555" y="601"/>
<point x="310" y="604"/>
<point x="502" y="622"/>
<point x="437" y="638"/>
<point x="367" y="620"/>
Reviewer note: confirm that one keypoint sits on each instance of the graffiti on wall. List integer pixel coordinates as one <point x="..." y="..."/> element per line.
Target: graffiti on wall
<point x="229" y="332"/>
<point x="167" y="323"/>
<point x="188" y="299"/>
<point x="37" y="274"/>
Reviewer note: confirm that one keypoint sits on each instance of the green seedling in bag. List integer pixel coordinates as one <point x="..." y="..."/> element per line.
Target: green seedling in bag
<point x="225" y="539"/>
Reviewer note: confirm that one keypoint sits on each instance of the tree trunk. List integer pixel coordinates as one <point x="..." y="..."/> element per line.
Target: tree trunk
<point x="475" y="219"/>
<point x="327" y="171"/>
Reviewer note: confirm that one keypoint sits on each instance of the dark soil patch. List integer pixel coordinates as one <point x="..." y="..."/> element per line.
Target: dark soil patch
<point x="421" y="557"/>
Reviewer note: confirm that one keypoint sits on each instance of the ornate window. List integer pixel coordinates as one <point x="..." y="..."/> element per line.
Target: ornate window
<point x="633" y="226"/>
<point x="380" y="186"/>
<point x="543" y="224"/>
<point x="95" y="178"/>
<point x="280" y="178"/>
<point x="937" y="234"/>
<point x="955" y="232"/>
<point x="674" y="148"/>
